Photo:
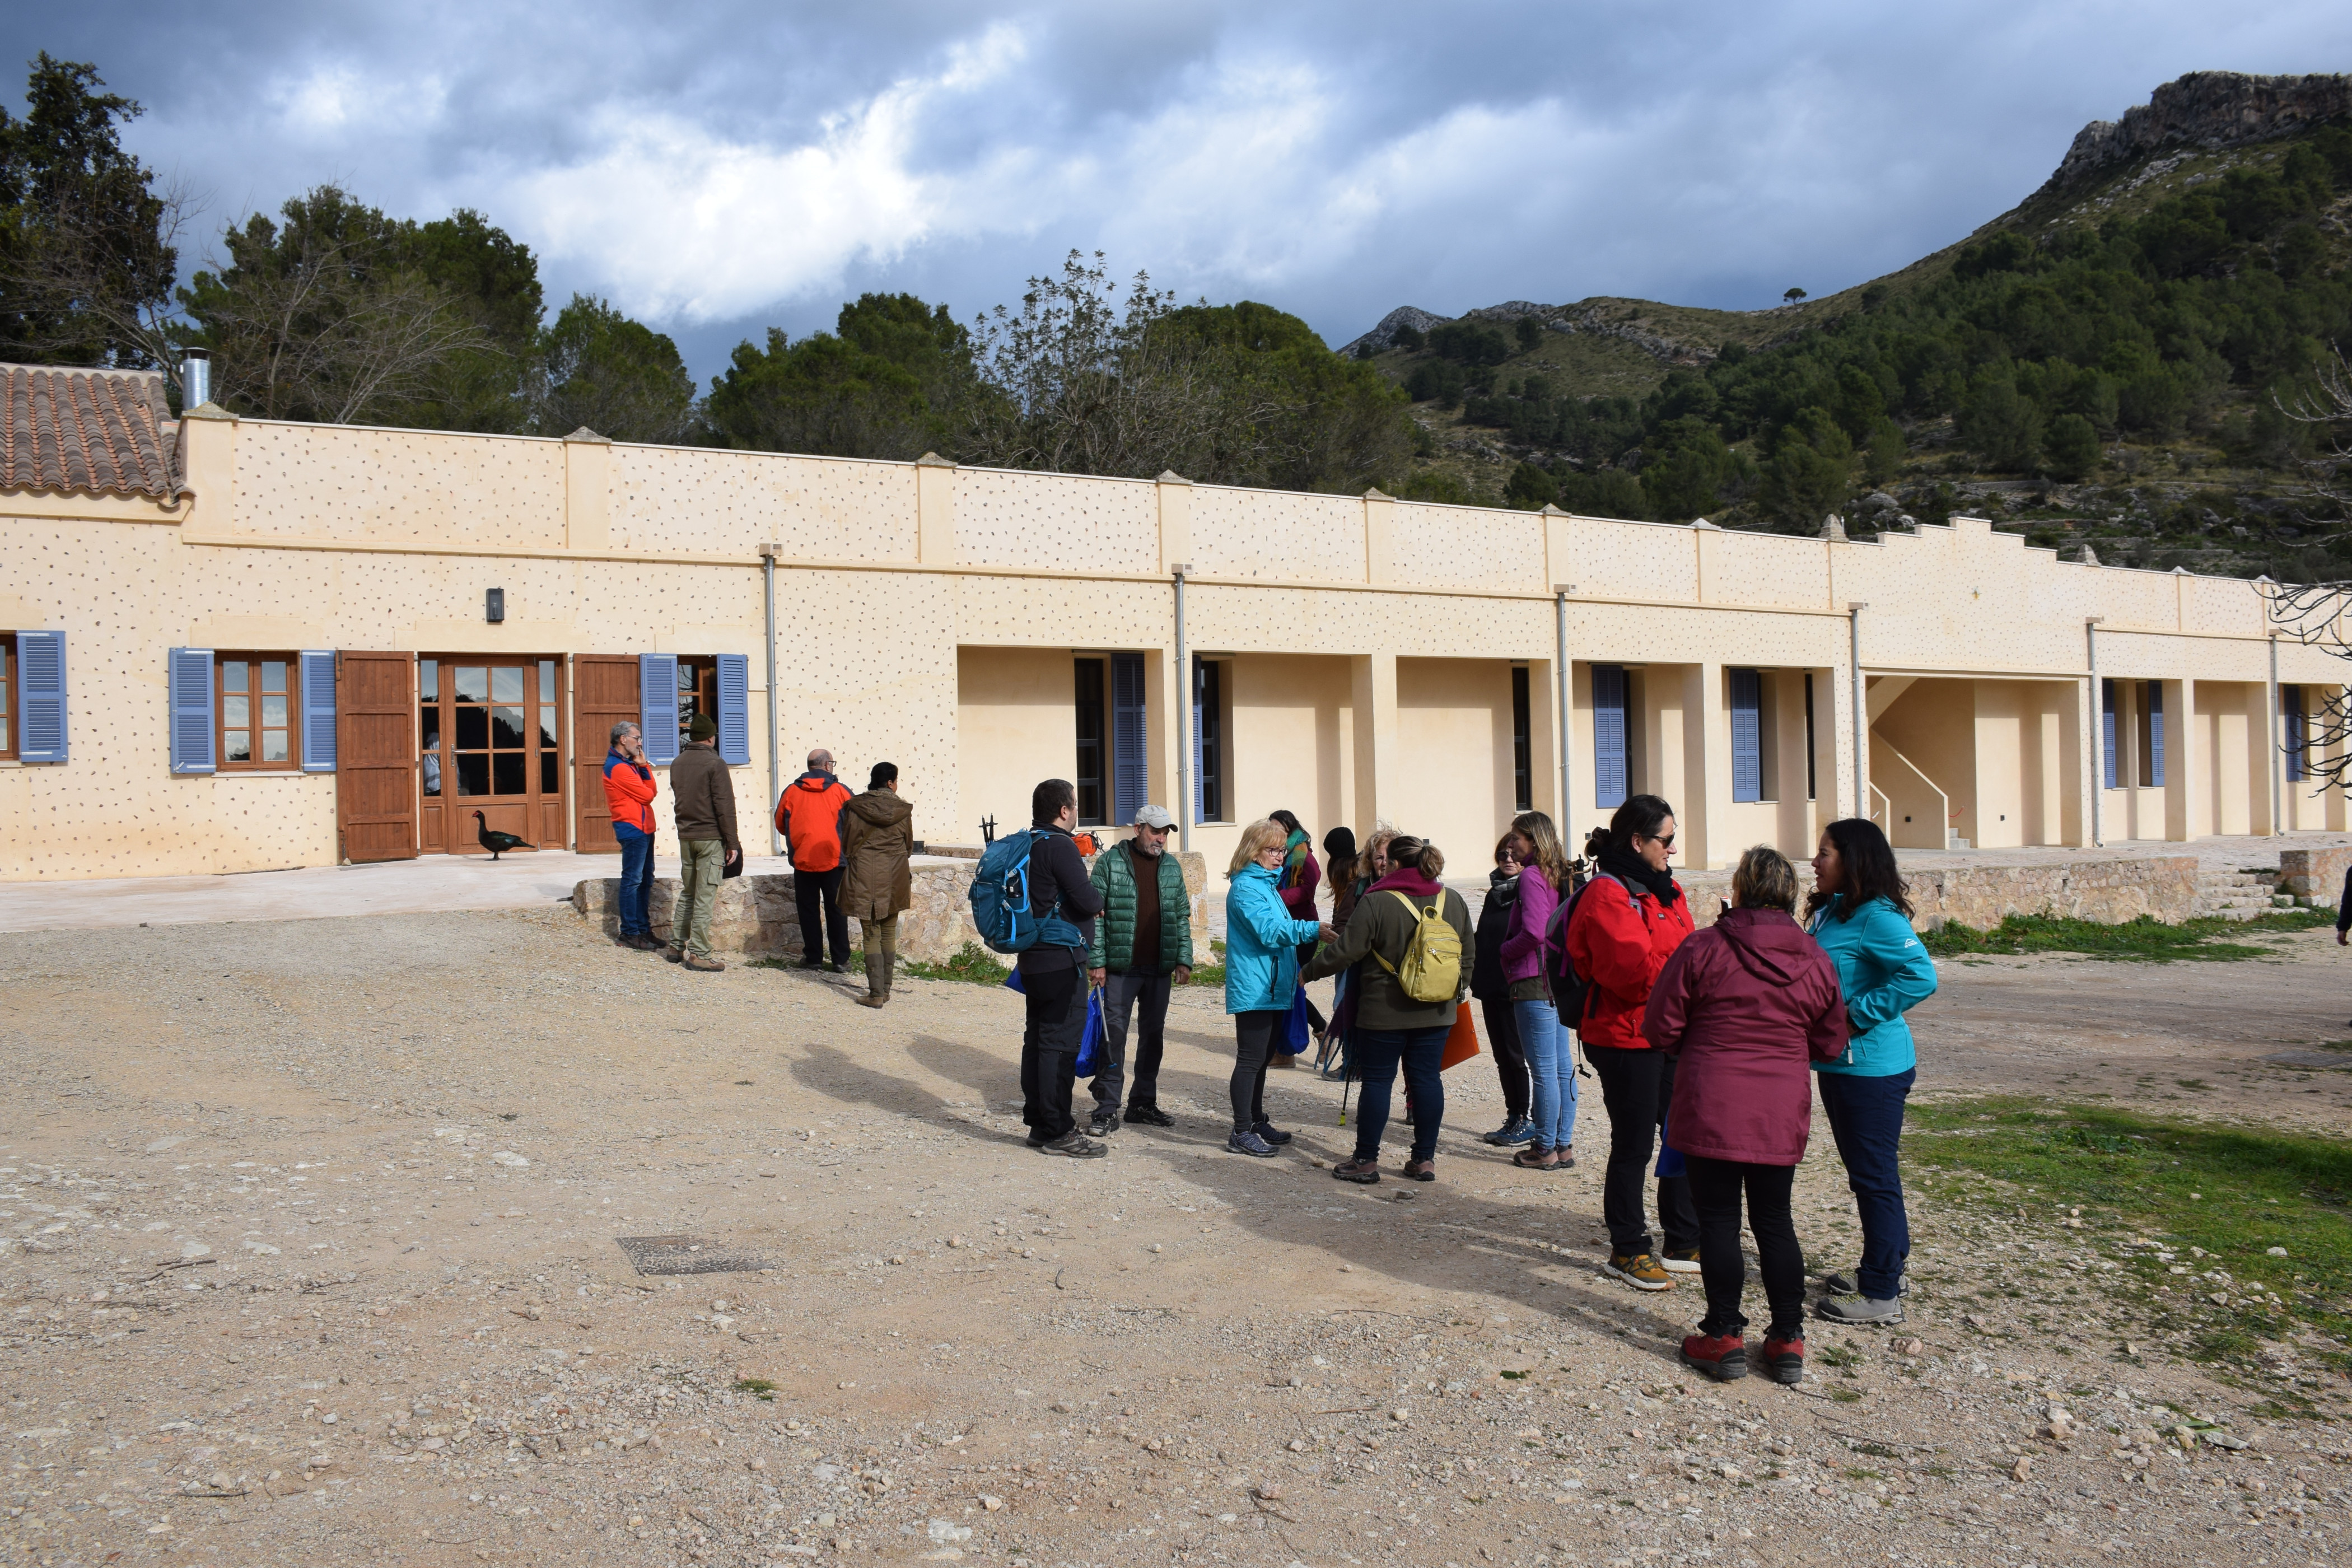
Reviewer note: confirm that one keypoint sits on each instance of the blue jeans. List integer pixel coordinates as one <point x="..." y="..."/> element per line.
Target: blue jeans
<point x="636" y="879"/>
<point x="1867" y="1119"/>
<point x="1376" y="1054"/>
<point x="1551" y="1073"/>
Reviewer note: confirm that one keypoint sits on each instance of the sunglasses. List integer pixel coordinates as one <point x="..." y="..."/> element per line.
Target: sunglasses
<point x="1668" y="840"/>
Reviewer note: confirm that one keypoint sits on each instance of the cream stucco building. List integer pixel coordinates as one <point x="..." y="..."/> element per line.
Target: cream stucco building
<point x="237" y="644"/>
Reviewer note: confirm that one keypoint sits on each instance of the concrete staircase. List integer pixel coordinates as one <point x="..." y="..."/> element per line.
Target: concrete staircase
<point x="2238" y="895"/>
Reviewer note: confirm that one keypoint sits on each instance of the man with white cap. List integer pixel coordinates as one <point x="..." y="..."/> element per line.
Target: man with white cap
<point x="1142" y="948"/>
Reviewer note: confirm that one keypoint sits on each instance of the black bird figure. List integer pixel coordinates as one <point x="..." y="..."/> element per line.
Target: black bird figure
<point x="495" y="842"/>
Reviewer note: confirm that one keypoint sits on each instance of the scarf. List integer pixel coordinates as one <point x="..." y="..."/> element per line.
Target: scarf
<point x="1406" y="879"/>
<point x="1293" y="860"/>
<point x="1635" y="872"/>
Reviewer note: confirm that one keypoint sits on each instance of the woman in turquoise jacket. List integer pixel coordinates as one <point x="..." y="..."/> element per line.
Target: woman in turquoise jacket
<point x="1860" y="916"/>
<point x="1262" y="940"/>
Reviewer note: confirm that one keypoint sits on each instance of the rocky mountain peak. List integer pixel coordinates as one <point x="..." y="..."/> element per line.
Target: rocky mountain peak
<point x="1382" y="337"/>
<point x="2210" y="109"/>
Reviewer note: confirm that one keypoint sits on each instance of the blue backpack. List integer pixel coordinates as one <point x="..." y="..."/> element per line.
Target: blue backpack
<point x="1000" y="895"/>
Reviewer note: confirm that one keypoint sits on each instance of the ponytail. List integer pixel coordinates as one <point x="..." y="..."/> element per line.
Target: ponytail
<point x="1640" y="817"/>
<point x="1419" y="854"/>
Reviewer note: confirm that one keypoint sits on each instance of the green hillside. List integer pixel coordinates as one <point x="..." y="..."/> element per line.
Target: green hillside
<point x="2102" y="365"/>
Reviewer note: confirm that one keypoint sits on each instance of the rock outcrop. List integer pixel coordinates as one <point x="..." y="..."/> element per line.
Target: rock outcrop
<point x="2209" y="110"/>
<point x="1382" y="338"/>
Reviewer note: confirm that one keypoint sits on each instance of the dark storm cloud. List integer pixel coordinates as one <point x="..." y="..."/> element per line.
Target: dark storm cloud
<point x="719" y="167"/>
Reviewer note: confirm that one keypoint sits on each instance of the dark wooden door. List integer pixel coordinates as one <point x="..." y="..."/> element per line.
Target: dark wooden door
<point x="603" y="693"/>
<point x="490" y="729"/>
<point x="375" y="756"/>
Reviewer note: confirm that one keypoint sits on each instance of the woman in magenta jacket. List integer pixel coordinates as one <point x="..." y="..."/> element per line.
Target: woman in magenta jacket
<point x="1748" y="1006"/>
<point x="1543" y="1035"/>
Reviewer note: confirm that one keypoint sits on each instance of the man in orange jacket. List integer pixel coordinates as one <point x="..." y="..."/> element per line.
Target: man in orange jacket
<point x="809" y="816"/>
<point x="629" y="791"/>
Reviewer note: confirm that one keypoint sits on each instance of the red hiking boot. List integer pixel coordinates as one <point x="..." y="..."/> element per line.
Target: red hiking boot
<point x="1721" y="1356"/>
<point x="1784" y="1359"/>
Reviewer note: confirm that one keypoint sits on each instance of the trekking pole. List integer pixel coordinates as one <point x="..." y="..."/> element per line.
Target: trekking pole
<point x="1346" y="1083"/>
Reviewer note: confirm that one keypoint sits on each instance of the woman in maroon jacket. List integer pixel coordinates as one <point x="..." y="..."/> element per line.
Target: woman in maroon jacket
<point x="1749" y="1005"/>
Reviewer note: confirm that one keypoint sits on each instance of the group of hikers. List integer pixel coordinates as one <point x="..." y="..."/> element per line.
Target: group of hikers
<point x="1706" y="1042"/>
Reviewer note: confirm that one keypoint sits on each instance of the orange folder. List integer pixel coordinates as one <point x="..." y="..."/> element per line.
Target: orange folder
<point x="1462" y="1042"/>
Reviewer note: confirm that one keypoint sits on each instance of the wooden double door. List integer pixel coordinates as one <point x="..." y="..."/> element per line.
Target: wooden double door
<point x="489" y="740"/>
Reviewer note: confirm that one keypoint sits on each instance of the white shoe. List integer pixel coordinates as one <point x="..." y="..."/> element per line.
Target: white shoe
<point x="1679" y="1263"/>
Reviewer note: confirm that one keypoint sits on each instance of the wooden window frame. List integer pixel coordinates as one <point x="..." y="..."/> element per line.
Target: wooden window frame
<point x="12" y="705"/>
<point x="697" y="689"/>
<point x="253" y="661"/>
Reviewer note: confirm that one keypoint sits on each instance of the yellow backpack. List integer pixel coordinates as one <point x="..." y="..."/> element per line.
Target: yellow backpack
<point x="1432" y="970"/>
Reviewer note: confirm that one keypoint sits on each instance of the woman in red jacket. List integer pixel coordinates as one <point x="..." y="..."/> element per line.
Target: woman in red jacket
<point x="1628" y="921"/>
<point x="1746" y="1007"/>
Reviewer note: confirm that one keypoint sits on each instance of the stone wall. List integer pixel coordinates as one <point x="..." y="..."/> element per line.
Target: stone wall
<point x="2108" y="890"/>
<point x="755" y="917"/>
<point x="2314" y="875"/>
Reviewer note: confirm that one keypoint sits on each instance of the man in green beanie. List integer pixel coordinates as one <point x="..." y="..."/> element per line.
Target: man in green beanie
<point x="702" y="796"/>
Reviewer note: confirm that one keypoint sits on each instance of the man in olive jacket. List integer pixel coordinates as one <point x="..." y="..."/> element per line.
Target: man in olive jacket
<point x="1142" y="948"/>
<point x="702" y="796"/>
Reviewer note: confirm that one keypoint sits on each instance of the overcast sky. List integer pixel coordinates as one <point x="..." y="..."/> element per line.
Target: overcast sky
<point x="720" y="167"/>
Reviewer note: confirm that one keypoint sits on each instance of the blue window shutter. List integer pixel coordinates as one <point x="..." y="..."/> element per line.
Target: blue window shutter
<point x="735" y="709"/>
<point x="189" y="679"/>
<point x="1747" y="743"/>
<point x="2108" y="730"/>
<point x="2156" y="731"/>
<point x="318" y="709"/>
<point x="1199" y="788"/>
<point x="2297" y="732"/>
<point x="41" y="684"/>
<point x="1608" y="736"/>
<point x="1129" y="769"/>
<point x="657" y="695"/>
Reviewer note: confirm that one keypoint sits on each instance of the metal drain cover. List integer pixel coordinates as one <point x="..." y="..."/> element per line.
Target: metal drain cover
<point x="687" y="1255"/>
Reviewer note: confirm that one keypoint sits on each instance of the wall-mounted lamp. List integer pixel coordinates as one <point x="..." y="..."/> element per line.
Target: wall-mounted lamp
<point x="494" y="605"/>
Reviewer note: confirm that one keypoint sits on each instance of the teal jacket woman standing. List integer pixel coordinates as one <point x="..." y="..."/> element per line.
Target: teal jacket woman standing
<point x="1861" y="916"/>
<point x="1262" y="940"/>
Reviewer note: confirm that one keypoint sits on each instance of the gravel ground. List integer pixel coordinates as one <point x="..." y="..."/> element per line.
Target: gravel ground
<point x="307" y="1254"/>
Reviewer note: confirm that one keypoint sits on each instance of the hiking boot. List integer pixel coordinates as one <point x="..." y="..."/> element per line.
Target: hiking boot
<point x="1859" y="1310"/>
<point x="1517" y="1129"/>
<point x="675" y="955"/>
<point x="1250" y="1143"/>
<point x="1721" y="1356"/>
<point x="1566" y="1158"/>
<point x="1848" y="1282"/>
<point x="642" y="941"/>
<point x="1642" y="1271"/>
<point x="703" y="964"/>
<point x="1419" y="1170"/>
<point x="1103" y="1123"/>
<point x="1149" y="1116"/>
<point x="1271" y="1133"/>
<point x="1681" y="1260"/>
<point x="1074" y="1144"/>
<point x="1363" y="1172"/>
<point x="1784" y="1359"/>
<point x="1282" y="1059"/>
<point x="811" y="963"/>
<point x="877" y="981"/>
<point x="837" y="968"/>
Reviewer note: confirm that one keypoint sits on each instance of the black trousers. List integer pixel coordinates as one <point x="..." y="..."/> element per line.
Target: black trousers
<point x="1145" y="996"/>
<point x="1253" y="1042"/>
<point x="1510" y="1058"/>
<point x="1056" y="1026"/>
<point x="1715" y="1188"/>
<point x="1637" y="1087"/>
<point x="808" y="888"/>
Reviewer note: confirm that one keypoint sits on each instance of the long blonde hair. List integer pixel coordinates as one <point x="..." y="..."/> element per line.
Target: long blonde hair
<point x="1258" y="836"/>
<point x="1550" y="858"/>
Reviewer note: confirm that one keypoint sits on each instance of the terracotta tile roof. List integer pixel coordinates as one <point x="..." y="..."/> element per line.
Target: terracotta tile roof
<point x="87" y="432"/>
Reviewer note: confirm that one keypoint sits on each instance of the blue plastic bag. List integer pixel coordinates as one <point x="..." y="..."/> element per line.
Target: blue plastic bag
<point x="1670" y="1159"/>
<point x="1298" y="1033"/>
<point x="1090" y="1043"/>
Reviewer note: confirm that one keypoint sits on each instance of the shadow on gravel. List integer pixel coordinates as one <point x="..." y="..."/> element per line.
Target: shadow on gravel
<point x="1440" y="1237"/>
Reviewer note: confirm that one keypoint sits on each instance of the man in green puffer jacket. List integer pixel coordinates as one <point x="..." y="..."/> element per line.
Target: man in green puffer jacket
<point x="1142" y="949"/>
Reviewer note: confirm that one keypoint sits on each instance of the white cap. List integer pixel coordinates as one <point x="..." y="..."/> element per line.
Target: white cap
<point x="1154" y="816"/>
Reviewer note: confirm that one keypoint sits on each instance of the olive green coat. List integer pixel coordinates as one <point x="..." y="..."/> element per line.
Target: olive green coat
<point x="877" y="838"/>
<point x="1114" y="944"/>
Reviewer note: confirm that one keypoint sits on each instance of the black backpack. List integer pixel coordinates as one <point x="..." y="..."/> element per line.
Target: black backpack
<point x="1572" y="993"/>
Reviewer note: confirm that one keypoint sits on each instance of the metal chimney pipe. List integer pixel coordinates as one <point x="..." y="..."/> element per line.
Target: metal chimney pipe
<point x="195" y="378"/>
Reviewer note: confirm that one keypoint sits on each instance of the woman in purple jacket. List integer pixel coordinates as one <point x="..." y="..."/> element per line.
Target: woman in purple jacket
<point x="1749" y="1003"/>
<point x="1543" y="1033"/>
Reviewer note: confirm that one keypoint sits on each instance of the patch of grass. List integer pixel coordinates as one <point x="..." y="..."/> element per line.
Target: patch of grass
<point x="759" y="1385"/>
<point x="973" y="964"/>
<point x="1840" y="1394"/>
<point x="2144" y="940"/>
<point x="1840" y="1355"/>
<point x="1211" y="973"/>
<point x="2234" y="1190"/>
